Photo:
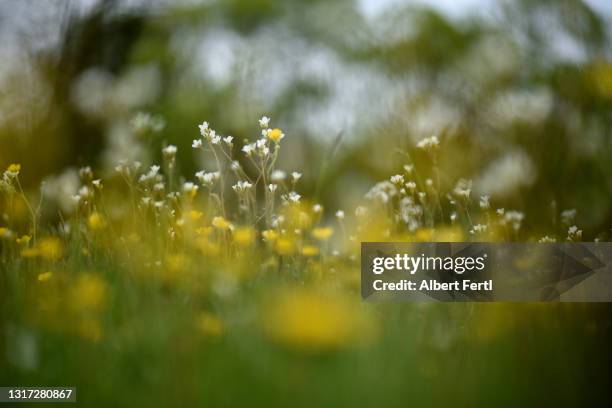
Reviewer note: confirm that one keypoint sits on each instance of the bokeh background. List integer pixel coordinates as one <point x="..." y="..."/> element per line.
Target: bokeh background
<point x="519" y="92"/>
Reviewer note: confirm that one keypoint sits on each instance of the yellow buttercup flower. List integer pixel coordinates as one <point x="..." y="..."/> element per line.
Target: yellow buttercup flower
<point x="269" y="235"/>
<point x="195" y="215"/>
<point x="312" y="321"/>
<point x="285" y="246"/>
<point x="221" y="223"/>
<point x="322" y="233"/>
<point x="310" y="250"/>
<point x="50" y="248"/>
<point x="244" y="236"/>
<point x="43" y="277"/>
<point x="14" y="169"/>
<point x="23" y="240"/>
<point x="95" y="221"/>
<point x="5" y="232"/>
<point x="275" y="135"/>
<point x="209" y="324"/>
<point x="204" y="231"/>
<point x="88" y="293"/>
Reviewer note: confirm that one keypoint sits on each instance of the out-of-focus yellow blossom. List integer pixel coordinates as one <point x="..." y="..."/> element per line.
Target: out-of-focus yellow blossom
<point x="221" y="223"/>
<point x="13" y="169"/>
<point x="50" y="248"/>
<point x="310" y="250"/>
<point x="275" y="135"/>
<point x="30" y="252"/>
<point x="207" y="247"/>
<point x="285" y="246"/>
<point x="195" y="215"/>
<point x="5" y="232"/>
<point x="95" y="221"/>
<point x="449" y="234"/>
<point x="424" y="235"/>
<point x="322" y="233"/>
<point x="269" y="235"/>
<point x="309" y="320"/>
<point x="45" y="276"/>
<point x="88" y="293"/>
<point x="23" y="240"/>
<point x="209" y="324"/>
<point x="204" y="231"/>
<point x="244" y="236"/>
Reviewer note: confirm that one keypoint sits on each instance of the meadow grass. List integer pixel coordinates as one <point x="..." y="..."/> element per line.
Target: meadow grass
<point x="229" y="288"/>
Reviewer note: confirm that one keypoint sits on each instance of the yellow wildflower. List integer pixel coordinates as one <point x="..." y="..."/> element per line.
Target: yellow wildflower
<point x="322" y="233"/>
<point x="195" y="215"/>
<point x="209" y="324"/>
<point x="275" y="135"/>
<point x="5" y="232"/>
<point x="310" y="250"/>
<point x="221" y="223"/>
<point x="88" y="293"/>
<point x="13" y="169"/>
<point x="309" y="320"/>
<point x="43" y="277"/>
<point x="23" y="240"/>
<point x="204" y="231"/>
<point x="95" y="221"/>
<point x="285" y="246"/>
<point x="244" y="236"/>
<point x="30" y="252"/>
<point x="269" y="235"/>
<point x="50" y="248"/>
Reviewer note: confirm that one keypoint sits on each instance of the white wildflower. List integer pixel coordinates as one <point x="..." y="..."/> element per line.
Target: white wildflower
<point x="478" y="228"/>
<point x="484" y="202"/>
<point x="340" y="214"/>
<point x="296" y="176"/>
<point x="463" y="188"/>
<point x="264" y="122"/>
<point x="248" y="149"/>
<point x="397" y="179"/>
<point x="242" y="186"/>
<point x="429" y="143"/>
<point x="169" y="151"/>
<point x="272" y="187"/>
<point x="203" y="128"/>
<point x="292" y="197"/>
<point x="382" y="191"/>
<point x="197" y="143"/>
<point x="568" y="216"/>
<point x="573" y="233"/>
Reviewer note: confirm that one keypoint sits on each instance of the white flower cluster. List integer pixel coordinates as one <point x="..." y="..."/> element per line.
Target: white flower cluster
<point x="210" y="135"/>
<point x="207" y="179"/>
<point x="383" y="191"/>
<point x="429" y="143"/>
